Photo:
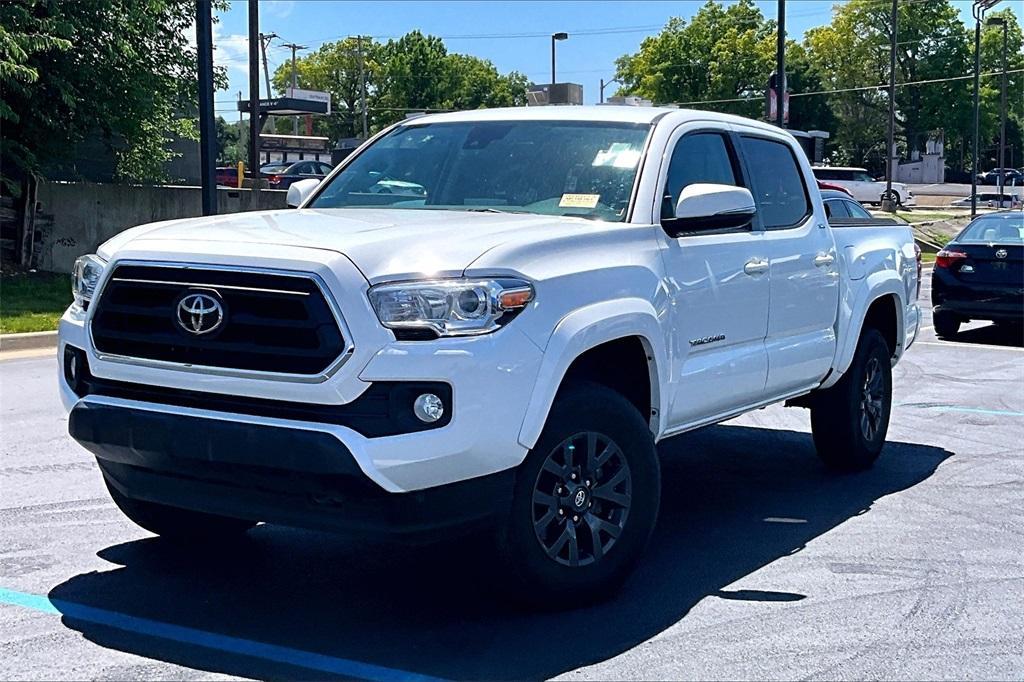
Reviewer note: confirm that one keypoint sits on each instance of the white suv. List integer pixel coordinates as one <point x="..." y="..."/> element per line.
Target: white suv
<point x="864" y="187"/>
<point x="504" y="349"/>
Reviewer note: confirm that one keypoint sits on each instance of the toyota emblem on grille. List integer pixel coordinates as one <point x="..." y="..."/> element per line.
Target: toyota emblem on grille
<point x="1001" y="253"/>
<point x="200" y="313"/>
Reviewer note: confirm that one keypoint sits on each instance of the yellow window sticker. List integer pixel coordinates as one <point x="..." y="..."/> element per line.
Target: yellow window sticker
<point x="579" y="201"/>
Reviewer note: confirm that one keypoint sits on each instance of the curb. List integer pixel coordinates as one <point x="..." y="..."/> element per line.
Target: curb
<point x="28" y="341"/>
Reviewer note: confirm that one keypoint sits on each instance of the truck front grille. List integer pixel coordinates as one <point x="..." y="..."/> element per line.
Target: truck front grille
<point x="265" y="322"/>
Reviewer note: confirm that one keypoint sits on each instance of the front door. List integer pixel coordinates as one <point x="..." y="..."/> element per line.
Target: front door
<point x="719" y="284"/>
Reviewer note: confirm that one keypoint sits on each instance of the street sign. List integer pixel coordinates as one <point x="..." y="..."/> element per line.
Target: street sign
<point x="773" y="106"/>
<point x="288" y="106"/>
<point x="310" y="96"/>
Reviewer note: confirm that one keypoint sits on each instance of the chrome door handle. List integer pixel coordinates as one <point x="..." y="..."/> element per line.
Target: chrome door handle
<point x="755" y="266"/>
<point x="823" y="260"/>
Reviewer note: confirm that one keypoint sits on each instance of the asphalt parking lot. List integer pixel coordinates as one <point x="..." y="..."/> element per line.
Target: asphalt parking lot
<point x="763" y="565"/>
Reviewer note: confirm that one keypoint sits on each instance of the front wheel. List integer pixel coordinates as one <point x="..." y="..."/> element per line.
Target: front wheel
<point x="585" y="502"/>
<point x="849" y="420"/>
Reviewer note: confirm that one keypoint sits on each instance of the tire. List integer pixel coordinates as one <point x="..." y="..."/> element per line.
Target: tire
<point x="849" y="420"/>
<point x="947" y="325"/>
<point x="178" y="525"/>
<point x="597" y="436"/>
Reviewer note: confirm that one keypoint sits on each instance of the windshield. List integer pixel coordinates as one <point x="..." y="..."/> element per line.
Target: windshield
<point x="1003" y="229"/>
<point x="577" y="168"/>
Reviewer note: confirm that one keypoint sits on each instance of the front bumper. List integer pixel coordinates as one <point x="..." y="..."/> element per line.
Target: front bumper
<point x="491" y="378"/>
<point x="271" y="473"/>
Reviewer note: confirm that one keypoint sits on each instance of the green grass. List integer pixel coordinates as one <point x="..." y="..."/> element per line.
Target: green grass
<point x="924" y="216"/>
<point x="32" y="302"/>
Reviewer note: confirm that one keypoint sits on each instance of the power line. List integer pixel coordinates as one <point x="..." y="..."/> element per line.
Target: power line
<point x="881" y="86"/>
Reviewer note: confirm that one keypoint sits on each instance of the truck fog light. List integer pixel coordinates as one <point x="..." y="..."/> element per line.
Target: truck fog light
<point x="428" y="408"/>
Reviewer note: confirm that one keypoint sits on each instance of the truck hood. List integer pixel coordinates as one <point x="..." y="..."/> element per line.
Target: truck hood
<point x="382" y="243"/>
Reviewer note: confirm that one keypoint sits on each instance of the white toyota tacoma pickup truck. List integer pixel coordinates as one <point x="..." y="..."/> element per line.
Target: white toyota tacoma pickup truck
<point x="486" y="318"/>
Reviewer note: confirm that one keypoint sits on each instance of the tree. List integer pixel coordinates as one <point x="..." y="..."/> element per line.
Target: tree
<point x="414" y="73"/>
<point x="335" y="68"/>
<point x="724" y="53"/>
<point x="122" y="70"/>
<point x="992" y="63"/>
<point x="933" y="45"/>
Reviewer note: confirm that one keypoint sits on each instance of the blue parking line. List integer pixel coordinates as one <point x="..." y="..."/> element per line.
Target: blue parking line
<point x="208" y="640"/>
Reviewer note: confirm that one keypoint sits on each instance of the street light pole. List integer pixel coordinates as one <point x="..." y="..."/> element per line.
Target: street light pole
<point x="207" y="127"/>
<point x="887" y="202"/>
<point x="606" y="83"/>
<point x="254" y="98"/>
<point x="978" y="11"/>
<point x="561" y="35"/>
<point x="780" y="66"/>
<point x="1000" y="21"/>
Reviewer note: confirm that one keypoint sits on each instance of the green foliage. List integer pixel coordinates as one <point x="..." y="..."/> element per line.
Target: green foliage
<point x="728" y="53"/>
<point x="414" y="73"/>
<point x="122" y="70"/>
<point x="723" y="53"/>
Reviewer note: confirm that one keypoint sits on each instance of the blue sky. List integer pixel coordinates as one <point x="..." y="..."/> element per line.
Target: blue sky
<point x="488" y="29"/>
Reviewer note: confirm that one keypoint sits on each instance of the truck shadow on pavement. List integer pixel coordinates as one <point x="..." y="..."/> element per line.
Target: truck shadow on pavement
<point x="735" y="499"/>
<point x="993" y="335"/>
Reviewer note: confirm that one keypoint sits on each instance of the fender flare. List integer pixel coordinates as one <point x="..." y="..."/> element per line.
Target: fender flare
<point x="869" y="290"/>
<point x="586" y="328"/>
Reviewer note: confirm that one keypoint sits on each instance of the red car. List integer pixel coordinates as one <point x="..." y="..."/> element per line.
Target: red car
<point x="827" y="185"/>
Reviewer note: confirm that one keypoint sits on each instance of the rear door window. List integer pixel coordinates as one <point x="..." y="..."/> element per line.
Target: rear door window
<point x="776" y="182"/>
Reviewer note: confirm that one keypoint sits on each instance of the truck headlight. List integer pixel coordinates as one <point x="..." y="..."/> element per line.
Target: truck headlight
<point x="85" y="275"/>
<point x="449" y="307"/>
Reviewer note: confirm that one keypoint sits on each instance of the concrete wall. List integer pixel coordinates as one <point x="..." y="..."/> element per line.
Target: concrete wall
<point x="75" y="218"/>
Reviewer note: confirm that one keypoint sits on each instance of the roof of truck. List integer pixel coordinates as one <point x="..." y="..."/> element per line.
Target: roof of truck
<point x="606" y="112"/>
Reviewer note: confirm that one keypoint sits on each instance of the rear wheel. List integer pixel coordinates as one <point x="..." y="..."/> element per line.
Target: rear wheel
<point x="586" y="500"/>
<point x="179" y="525"/>
<point x="849" y="421"/>
<point x="946" y="325"/>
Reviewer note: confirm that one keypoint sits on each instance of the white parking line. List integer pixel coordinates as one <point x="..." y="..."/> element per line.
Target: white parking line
<point x="971" y="345"/>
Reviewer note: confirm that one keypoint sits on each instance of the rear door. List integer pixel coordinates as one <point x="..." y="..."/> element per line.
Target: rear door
<point x="803" y="265"/>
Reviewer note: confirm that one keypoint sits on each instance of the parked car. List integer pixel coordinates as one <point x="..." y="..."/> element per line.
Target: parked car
<point x="836" y="188"/>
<point x="862" y="186"/>
<point x="843" y="211"/>
<point x="1011" y="177"/>
<point x="575" y="285"/>
<point x="227" y="176"/>
<point x="990" y="200"/>
<point x="281" y="176"/>
<point x="980" y="274"/>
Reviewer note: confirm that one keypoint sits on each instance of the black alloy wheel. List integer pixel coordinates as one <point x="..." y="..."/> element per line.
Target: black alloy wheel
<point x="581" y="499"/>
<point x="872" y="400"/>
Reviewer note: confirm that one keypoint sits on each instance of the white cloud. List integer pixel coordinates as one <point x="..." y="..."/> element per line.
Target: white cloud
<point x="279" y="9"/>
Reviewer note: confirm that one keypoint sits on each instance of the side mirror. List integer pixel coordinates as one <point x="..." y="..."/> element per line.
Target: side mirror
<point x="300" y="191"/>
<point x="704" y="206"/>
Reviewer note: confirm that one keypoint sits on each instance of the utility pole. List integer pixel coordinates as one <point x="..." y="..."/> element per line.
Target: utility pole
<point x="887" y="201"/>
<point x="1000" y="21"/>
<point x="294" y="48"/>
<point x="362" y="85"/>
<point x="207" y="127"/>
<point x="978" y="11"/>
<point x="780" y="66"/>
<point x="254" y="98"/>
<point x="265" y="39"/>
